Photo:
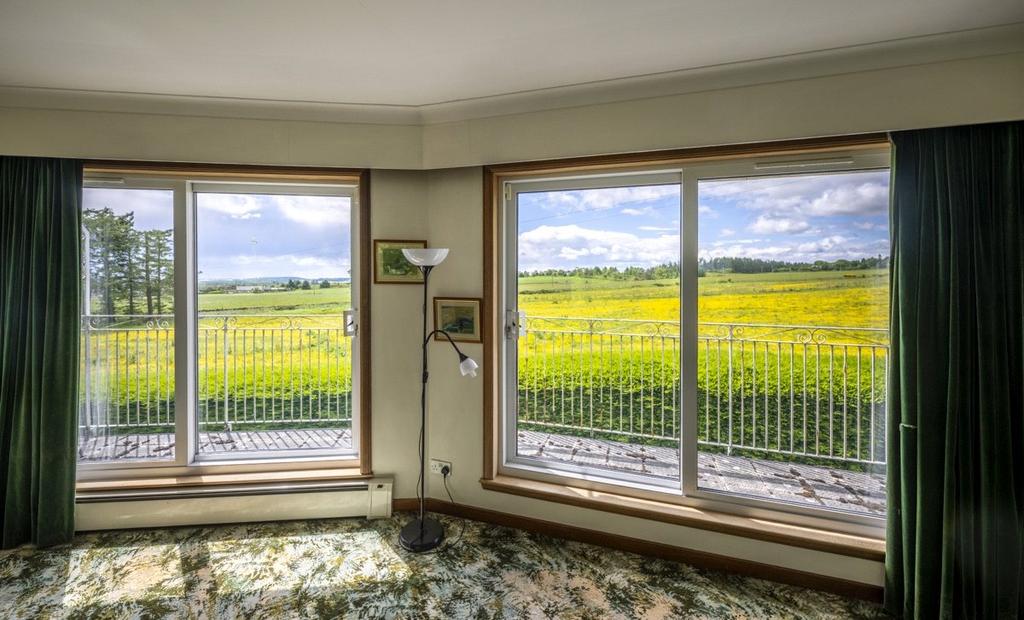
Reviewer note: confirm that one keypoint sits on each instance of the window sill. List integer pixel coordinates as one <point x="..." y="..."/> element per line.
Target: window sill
<point x="203" y="480"/>
<point x="699" y="518"/>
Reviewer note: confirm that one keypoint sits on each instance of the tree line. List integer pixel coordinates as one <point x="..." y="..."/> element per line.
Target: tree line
<point x="129" y="271"/>
<point x="725" y="264"/>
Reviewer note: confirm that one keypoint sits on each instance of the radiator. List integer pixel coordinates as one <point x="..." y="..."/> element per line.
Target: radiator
<point x="108" y="510"/>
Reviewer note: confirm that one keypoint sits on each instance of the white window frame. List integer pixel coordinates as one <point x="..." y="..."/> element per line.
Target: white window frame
<point x="686" y="491"/>
<point x="187" y="459"/>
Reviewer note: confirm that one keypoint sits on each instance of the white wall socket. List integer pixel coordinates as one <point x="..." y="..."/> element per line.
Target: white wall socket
<point x="437" y="464"/>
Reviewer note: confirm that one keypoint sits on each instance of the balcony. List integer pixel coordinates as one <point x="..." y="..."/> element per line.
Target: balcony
<point x="795" y="413"/>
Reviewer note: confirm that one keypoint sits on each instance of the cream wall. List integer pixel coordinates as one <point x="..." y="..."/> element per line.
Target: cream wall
<point x="399" y="202"/>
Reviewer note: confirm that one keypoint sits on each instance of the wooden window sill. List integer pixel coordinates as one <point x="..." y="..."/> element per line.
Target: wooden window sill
<point x="194" y="480"/>
<point x="700" y="518"/>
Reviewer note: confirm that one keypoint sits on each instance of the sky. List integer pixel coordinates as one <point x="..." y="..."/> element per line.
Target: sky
<point x="801" y="218"/>
<point x="249" y="236"/>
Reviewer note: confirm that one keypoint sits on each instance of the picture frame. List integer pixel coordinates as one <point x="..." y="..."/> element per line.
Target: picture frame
<point x="390" y="266"/>
<point x="459" y="316"/>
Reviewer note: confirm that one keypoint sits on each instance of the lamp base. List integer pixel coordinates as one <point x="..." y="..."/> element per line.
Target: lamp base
<point x="418" y="536"/>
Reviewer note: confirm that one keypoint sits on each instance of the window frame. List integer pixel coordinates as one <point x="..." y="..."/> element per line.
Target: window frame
<point x="694" y="165"/>
<point x="186" y="181"/>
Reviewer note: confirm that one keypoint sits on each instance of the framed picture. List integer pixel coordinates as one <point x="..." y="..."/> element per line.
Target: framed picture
<point x="459" y="316"/>
<point x="389" y="264"/>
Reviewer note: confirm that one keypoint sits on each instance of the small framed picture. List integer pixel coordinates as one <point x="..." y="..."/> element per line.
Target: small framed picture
<point x="389" y="264"/>
<point x="459" y="316"/>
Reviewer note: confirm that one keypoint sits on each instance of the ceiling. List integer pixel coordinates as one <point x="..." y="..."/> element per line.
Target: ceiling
<point x="418" y="52"/>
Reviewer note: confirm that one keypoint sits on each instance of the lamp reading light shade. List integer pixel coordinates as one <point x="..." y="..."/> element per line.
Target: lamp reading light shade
<point x="467" y="366"/>
<point x="425" y="257"/>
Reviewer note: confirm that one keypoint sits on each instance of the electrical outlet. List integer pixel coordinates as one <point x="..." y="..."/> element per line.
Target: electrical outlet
<point x="437" y="464"/>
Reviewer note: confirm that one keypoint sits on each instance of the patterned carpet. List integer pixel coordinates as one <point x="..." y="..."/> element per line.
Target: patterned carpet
<point x="352" y="568"/>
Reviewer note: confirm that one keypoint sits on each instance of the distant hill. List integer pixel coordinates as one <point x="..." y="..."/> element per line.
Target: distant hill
<point x="267" y="281"/>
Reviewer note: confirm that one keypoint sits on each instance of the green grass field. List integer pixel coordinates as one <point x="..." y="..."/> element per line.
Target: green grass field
<point x="275" y="366"/>
<point x="848" y="299"/>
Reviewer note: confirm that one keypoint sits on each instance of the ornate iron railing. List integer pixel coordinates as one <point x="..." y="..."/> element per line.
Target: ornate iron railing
<point x="812" y="391"/>
<point x="252" y="371"/>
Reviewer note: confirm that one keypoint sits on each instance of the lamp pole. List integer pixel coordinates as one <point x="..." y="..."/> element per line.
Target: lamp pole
<point x="423" y="533"/>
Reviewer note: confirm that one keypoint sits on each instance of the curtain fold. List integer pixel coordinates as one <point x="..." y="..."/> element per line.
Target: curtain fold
<point x="39" y="313"/>
<point x="956" y="395"/>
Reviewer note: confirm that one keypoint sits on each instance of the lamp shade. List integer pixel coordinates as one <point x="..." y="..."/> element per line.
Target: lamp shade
<point x="468" y="367"/>
<point x="425" y="257"/>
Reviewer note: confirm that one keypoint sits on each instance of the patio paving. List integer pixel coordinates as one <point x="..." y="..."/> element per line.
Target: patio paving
<point x="789" y="482"/>
<point x="823" y="487"/>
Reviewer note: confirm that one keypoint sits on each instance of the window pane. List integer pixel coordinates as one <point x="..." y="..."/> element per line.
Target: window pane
<point x="598" y="368"/>
<point x="793" y="338"/>
<point x="126" y="402"/>
<point x="274" y="370"/>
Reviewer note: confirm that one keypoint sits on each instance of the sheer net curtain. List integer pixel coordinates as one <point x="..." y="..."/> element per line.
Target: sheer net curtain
<point x="39" y="304"/>
<point x="956" y="428"/>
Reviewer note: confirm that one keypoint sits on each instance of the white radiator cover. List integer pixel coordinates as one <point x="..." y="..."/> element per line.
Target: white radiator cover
<point x="108" y="511"/>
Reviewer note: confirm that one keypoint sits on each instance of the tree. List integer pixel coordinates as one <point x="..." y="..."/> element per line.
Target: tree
<point x="325" y="284"/>
<point x="305" y="285"/>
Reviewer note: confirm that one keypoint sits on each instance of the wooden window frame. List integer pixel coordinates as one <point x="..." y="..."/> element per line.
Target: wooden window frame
<point x="297" y="467"/>
<point x="762" y="523"/>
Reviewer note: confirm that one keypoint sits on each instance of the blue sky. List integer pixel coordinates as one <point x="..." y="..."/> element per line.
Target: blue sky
<point x="791" y="218"/>
<point x="248" y="236"/>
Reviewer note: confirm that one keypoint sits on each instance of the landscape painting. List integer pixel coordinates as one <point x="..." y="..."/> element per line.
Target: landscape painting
<point x="459" y="316"/>
<point x="390" y="266"/>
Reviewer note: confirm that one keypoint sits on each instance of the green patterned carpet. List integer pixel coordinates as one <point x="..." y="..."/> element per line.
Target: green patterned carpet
<point x="352" y="568"/>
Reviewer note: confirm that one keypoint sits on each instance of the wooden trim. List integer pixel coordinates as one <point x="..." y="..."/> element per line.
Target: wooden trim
<point x="493" y="178"/>
<point x="490" y="323"/>
<point x="365" y="365"/>
<point x="724" y="523"/>
<point x="194" y="480"/>
<point x="307" y="173"/>
<point x="405" y="504"/>
<point x="693" y="557"/>
<point x="178" y="169"/>
<point x="760" y="149"/>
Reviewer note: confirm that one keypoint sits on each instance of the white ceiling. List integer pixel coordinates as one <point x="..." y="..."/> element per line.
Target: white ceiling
<point x="420" y="52"/>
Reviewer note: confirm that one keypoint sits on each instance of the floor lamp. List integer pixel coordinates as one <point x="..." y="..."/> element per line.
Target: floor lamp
<point x="424" y="533"/>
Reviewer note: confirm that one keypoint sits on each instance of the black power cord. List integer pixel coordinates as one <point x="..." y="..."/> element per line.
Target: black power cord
<point x="449" y="542"/>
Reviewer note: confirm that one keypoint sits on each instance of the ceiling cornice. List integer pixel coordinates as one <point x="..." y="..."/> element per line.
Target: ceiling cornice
<point x="888" y="54"/>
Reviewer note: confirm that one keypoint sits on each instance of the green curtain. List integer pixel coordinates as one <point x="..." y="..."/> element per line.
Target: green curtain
<point x="956" y="419"/>
<point x="39" y="313"/>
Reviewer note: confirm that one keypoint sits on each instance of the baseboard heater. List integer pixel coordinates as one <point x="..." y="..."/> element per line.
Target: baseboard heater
<point x="167" y="507"/>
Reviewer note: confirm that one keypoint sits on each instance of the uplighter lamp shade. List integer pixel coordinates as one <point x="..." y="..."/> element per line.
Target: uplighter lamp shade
<point x="425" y="257"/>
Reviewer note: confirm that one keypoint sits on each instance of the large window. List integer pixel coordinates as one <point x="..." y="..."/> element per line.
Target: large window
<point x="219" y="322"/>
<point x="713" y="332"/>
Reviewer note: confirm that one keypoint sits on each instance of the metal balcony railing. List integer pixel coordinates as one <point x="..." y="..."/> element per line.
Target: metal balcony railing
<point x="809" y="391"/>
<point x="252" y="372"/>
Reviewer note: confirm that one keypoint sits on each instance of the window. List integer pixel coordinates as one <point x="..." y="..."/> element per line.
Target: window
<point x="705" y="332"/>
<point x="220" y="322"/>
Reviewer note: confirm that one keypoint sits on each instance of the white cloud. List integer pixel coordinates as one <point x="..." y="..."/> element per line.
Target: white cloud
<point x="314" y="210"/>
<point x="860" y="199"/>
<point x="586" y="247"/>
<point x="657" y="228"/>
<point x="707" y="212"/>
<point x="294" y="265"/>
<point x="726" y="232"/>
<point x="576" y="201"/>
<point x="862" y="193"/>
<point x="822" y="245"/>
<point x="635" y="212"/>
<point x="235" y="206"/>
<point x="775" y="224"/>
